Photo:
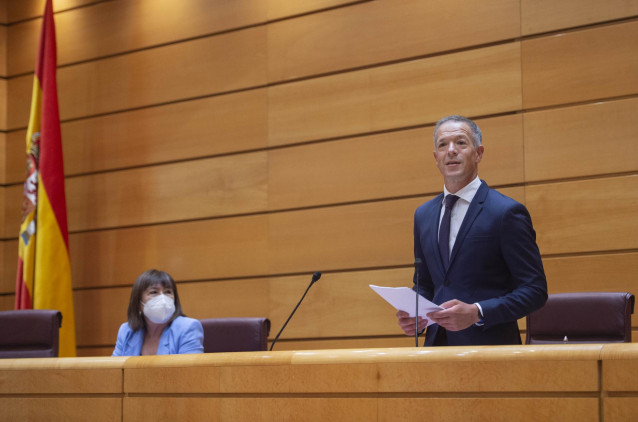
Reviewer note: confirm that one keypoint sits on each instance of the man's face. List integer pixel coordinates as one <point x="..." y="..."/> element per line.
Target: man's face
<point x="455" y="155"/>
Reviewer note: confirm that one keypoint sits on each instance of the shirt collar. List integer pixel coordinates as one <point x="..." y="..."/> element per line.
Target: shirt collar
<point x="467" y="192"/>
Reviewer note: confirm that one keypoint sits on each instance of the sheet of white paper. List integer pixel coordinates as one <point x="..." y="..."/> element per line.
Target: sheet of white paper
<point x="404" y="299"/>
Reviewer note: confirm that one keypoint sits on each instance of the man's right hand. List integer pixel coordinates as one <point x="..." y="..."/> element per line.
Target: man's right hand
<point x="406" y="322"/>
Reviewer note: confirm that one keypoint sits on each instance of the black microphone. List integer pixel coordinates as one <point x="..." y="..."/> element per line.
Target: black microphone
<point x="316" y="276"/>
<point x="417" y="263"/>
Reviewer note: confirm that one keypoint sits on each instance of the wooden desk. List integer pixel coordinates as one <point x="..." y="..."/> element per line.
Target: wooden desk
<point x="573" y="382"/>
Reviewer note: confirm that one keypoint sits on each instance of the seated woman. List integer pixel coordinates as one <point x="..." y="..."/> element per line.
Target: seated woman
<point x="156" y="324"/>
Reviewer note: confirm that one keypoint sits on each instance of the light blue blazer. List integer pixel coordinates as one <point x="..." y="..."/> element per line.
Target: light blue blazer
<point x="184" y="335"/>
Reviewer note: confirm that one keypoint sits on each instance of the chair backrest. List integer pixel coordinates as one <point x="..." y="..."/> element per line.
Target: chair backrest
<point x="235" y="334"/>
<point x="29" y="333"/>
<point x="591" y="317"/>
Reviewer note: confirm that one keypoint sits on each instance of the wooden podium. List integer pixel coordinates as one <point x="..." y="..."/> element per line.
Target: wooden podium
<point x="570" y="382"/>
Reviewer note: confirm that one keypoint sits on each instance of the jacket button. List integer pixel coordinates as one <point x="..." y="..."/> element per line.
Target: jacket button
<point x="446" y="282"/>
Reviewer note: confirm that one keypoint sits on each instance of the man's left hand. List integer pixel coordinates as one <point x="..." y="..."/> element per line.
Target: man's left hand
<point x="456" y="316"/>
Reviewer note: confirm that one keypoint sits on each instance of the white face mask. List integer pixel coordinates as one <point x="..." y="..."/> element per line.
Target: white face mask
<point x="159" y="309"/>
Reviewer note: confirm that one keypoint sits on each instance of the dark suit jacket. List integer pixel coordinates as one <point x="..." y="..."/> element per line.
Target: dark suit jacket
<point x="495" y="262"/>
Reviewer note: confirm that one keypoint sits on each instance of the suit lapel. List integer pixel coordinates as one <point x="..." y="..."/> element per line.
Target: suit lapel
<point x="476" y="206"/>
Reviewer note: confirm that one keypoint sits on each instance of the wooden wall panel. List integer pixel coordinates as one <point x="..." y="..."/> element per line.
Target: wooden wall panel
<point x="584" y="216"/>
<point x="251" y="409"/>
<point x="5" y="285"/>
<point x="367" y="235"/>
<point x="10" y="216"/>
<point x="619" y="409"/>
<point x="58" y="409"/>
<point x="229" y="247"/>
<point x="278" y="9"/>
<point x="407" y="94"/>
<point x="198" y="128"/>
<point x="602" y="63"/>
<point x="547" y="15"/>
<point x="3" y="50"/>
<point x="226" y="62"/>
<point x="3" y="212"/>
<point x="7" y="302"/>
<point x="184" y="408"/>
<point x="356" y="236"/>
<point x="383" y="166"/>
<point x="62" y="380"/>
<point x="184" y="130"/>
<point x="495" y="409"/>
<point x="3" y="158"/>
<point x="335" y="299"/>
<point x="109" y="28"/>
<point x="511" y="383"/>
<point x="3" y="11"/>
<point x="7" y="277"/>
<point x="620" y="374"/>
<point x="363" y="168"/>
<point x="4" y="92"/>
<point x="27" y="9"/>
<point x="401" y="376"/>
<point x="236" y="184"/>
<point x="347" y="343"/>
<point x="581" y="141"/>
<point x="528" y="375"/>
<point x="181" y="191"/>
<point x="100" y="312"/>
<point x="94" y="351"/>
<point x="353" y="236"/>
<point x="14" y="157"/>
<point x="383" y="31"/>
<point x="608" y="273"/>
<point x="395" y="96"/>
<point x="9" y="262"/>
<point x="228" y="298"/>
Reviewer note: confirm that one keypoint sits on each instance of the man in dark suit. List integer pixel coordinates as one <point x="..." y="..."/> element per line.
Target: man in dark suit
<point x="477" y="251"/>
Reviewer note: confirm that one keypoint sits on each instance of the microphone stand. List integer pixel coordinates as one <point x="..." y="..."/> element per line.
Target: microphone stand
<point x="316" y="276"/>
<point x="417" y="263"/>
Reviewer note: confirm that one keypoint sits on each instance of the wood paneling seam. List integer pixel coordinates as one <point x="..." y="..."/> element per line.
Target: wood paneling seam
<point x="55" y="12"/>
<point x="343" y="70"/>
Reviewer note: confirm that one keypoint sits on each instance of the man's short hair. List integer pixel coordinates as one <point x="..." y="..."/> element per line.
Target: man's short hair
<point x="474" y="129"/>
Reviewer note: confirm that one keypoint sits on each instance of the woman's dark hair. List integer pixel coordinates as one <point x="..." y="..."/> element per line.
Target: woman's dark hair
<point x="147" y="279"/>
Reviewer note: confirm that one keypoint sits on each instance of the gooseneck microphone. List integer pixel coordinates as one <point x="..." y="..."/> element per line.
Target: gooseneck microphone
<point x="417" y="263"/>
<point x="316" y="276"/>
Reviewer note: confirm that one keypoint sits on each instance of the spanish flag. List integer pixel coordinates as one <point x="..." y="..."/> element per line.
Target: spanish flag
<point x="44" y="270"/>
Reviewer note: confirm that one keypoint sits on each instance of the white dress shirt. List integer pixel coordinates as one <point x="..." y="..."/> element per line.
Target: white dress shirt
<point x="466" y="194"/>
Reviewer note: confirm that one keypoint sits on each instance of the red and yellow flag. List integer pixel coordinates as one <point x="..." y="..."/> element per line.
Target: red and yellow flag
<point x="44" y="270"/>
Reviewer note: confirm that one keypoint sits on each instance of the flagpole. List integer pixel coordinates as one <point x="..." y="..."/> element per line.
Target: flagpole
<point x="35" y="235"/>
